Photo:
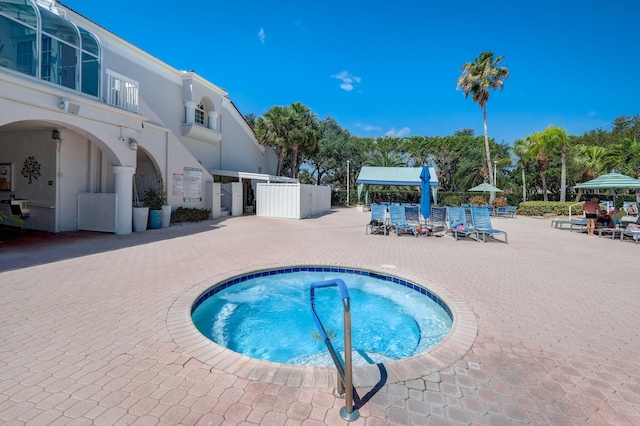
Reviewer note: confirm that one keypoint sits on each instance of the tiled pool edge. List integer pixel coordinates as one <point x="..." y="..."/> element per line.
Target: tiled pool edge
<point x="453" y="347"/>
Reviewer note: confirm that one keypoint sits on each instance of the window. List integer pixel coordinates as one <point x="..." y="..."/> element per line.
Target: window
<point x="69" y="56"/>
<point x="90" y="66"/>
<point x="59" y="56"/>
<point x="59" y="62"/>
<point x="18" y="46"/>
<point x="201" y="115"/>
<point x="122" y="91"/>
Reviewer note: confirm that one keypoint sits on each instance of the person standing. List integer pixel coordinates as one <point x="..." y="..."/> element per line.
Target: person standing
<point x="591" y="210"/>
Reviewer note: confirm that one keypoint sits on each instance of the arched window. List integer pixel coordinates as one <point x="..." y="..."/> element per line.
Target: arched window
<point x="90" y="65"/>
<point x="68" y="56"/>
<point x="201" y="115"/>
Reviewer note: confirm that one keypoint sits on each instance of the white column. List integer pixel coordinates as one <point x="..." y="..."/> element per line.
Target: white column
<point x="190" y="112"/>
<point x="213" y="120"/>
<point x="124" y="198"/>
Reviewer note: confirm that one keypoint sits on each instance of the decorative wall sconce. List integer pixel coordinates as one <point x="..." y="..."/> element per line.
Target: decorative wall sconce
<point x="133" y="144"/>
<point x="55" y="134"/>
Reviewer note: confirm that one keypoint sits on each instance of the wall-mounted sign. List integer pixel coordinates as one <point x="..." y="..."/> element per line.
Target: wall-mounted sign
<point x="178" y="184"/>
<point x="192" y="184"/>
<point x="5" y="177"/>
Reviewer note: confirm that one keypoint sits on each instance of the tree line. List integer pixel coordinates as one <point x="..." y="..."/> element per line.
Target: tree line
<point x="544" y="165"/>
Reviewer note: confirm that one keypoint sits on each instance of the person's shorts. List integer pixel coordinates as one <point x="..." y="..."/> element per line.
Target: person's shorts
<point x="591" y="215"/>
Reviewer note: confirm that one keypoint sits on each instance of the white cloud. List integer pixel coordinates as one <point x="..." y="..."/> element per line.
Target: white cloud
<point x="347" y="80"/>
<point x="261" y="35"/>
<point x="366" y="127"/>
<point x="399" y="134"/>
<point x="299" y="25"/>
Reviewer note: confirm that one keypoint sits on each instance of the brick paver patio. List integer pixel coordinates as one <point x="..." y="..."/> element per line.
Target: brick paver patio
<point x="91" y="332"/>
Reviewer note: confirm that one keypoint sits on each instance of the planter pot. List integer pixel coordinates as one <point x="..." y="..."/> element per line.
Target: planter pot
<point x="140" y="218"/>
<point x="166" y="216"/>
<point x="155" y="219"/>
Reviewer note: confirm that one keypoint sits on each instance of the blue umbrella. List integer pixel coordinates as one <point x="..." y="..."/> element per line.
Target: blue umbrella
<point x="425" y="196"/>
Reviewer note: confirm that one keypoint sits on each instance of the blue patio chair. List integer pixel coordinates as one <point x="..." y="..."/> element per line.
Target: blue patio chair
<point x="581" y="224"/>
<point x="378" y="220"/>
<point x="412" y="213"/>
<point x="631" y="208"/>
<point x="458" y="223"/>
<point x="501" y="212"/>
<point x="482" y="225"/>
<point x="464" y="206"/>
<point x="511" y="211"/>
<point x="632" y="231"/>
<point x="398" y="220"/>
<point x="438" y="219"/>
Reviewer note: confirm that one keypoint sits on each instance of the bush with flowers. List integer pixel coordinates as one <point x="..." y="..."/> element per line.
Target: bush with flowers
<point x="500" y="202"/>
<point x="477" y="199"/>
<point x="189" y="214"/>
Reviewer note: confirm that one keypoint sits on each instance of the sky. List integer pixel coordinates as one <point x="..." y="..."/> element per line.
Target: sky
<point x="390" y="68"/>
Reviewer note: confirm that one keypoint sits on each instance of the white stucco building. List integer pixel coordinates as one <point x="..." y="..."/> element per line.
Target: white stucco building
<point x="84" y="115"/>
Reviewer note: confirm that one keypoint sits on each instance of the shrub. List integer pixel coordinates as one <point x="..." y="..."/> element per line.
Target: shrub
<point x="500" y="202"/>
<point x="540" y="208"/>
<point x="189" y="214"/>
<point x="477" y="199"/>
<point x="452" y="200"/>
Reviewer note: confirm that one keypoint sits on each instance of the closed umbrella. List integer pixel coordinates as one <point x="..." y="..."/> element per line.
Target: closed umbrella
<point x="425" y="196"/>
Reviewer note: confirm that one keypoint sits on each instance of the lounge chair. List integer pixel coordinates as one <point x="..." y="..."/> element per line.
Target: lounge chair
<point x="615" y="228"/>
<point x="378" y="220"/>
<point x="438" y="219"/>
<point x="632" y="231"/>
<point x="511" y="211"/>
<point x="398" y="220"/>
<point x="631" y="208"/>
<point x="458" y="223"/>
<point x="412" y="213"/>
<point x="482" y="225"/>
<point x="580" y="224"/>
<point x="501" y="212"/>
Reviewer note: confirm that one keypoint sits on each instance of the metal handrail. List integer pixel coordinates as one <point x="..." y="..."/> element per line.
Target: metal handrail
<point x="576" y="204"/>
<point x="345" y="372"/>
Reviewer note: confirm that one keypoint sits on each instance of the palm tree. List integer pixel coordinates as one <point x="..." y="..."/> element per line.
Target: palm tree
<point x="590" y="159"/>
<point x="624" y="157"/>
<point x="554" y="138"/>
<point x="521" y="148"/>
<point x="272" y="130"/>
<point x="384" y="159"/>
<point x="476" y="79"/>
<point x="539" y="151"/>
<point x="303" y="136"/>
<point x="471" y="170"/>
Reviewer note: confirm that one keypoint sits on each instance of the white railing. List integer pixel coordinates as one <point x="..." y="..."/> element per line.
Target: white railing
<point x="122" y="92"/>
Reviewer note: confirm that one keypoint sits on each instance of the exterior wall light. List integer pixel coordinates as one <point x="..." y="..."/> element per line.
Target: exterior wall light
<point x="133" y="144"/>
<point x="55" y="134"/>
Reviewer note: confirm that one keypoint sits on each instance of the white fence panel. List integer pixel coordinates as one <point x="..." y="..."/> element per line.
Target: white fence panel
<point x="292" y="200"/>
<point x="97" y="212"/>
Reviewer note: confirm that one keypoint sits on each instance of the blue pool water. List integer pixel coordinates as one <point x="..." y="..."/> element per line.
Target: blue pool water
<point x="269" y="317"/>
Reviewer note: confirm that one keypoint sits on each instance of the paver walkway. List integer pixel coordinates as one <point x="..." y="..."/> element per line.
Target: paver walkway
<point x="84" y="336"/>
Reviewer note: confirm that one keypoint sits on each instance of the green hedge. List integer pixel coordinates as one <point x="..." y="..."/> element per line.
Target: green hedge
<point x="540" y="208"/>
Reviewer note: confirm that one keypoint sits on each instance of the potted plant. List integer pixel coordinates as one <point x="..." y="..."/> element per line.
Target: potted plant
<point x="140" y="213"/>
<point x="154" y="199"/>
